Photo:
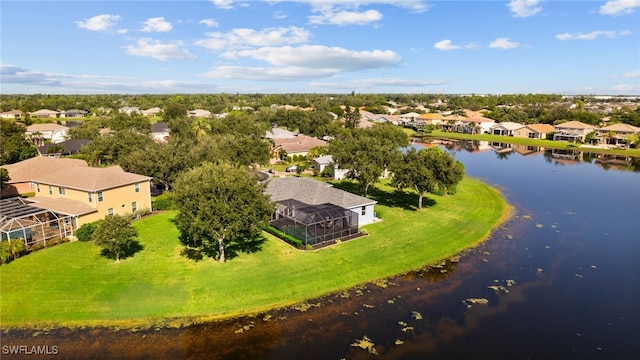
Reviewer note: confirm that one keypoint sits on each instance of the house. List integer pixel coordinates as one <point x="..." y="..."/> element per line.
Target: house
<point x="278" y="133"/>
<point x="159" y="131"/>
<point x="129" y="110"/>
<point x="42" y="133"/>
<point x="67" y="147"/>
<point x="506" y="128"/>
<point x="572" y="131"/>
<point x="70" y="187"/>
<point x="315" y="212"/>
<point x="476" y="125"/>
<point x="73" y="113"/>
<point x="616" y="134"/>
<point x="299" y="145"/>
<point x="44" y="114"/>
<point x="323" y="162"/>
<point x="154" y="111"/>
<point x="534" y="131"/>
<point x="199" y="113"/>
<point x="13" y="114"/>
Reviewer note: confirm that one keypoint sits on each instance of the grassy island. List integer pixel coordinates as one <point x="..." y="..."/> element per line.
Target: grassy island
<point x="72" y="285"/>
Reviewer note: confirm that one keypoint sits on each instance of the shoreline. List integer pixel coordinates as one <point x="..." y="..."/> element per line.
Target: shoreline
<point x="140" y="324"/>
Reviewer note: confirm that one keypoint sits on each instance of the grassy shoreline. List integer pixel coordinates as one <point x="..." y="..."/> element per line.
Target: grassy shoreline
<point x="530" y="142"/>
<point x="71" y="285"/>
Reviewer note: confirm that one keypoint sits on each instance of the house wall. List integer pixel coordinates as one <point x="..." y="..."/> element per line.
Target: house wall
<point x="119" y="199"/>
<point x="16" y="189"/>
<point x="524" y="133"/>
<point x="367" y="218"/>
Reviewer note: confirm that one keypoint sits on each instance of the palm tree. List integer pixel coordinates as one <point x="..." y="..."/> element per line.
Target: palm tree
<point x="200" y="127"/>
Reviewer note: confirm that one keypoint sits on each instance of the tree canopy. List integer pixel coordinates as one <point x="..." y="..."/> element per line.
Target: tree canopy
<point x="116" y="236"/>
<point x="222" y="209"/>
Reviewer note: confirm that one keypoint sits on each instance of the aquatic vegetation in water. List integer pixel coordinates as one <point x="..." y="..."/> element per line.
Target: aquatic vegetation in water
<point x="245" y="328"/>
<point x="472" y="301"/>
<point x="366" y="344"/>
<point x="416" y="315"/>
<point x="381" y="283"/>
<point x="526" y="217"/>
<point x="305" y="306"/>
<point x="539" y="226"/>
<point x="399" y="342"/>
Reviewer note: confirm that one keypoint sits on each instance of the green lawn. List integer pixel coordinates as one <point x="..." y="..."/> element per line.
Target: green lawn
<point x="531" y="142"/>
<point x="72" y="285"/>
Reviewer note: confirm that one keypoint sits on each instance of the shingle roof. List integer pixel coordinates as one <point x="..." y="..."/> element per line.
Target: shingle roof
<point x="62" y="205"/>
<point x="507" y="125"/>
<point x="541" y="128"/>
<point x="278" y="133"/>
<point x="45" y="127"/>
<point x="313" y="192"/>
<point x="70" y="146"/>
<point x="28" y="170"/>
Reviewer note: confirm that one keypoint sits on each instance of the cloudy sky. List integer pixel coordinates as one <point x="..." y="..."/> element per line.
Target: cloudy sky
<point x="320" y="46"/>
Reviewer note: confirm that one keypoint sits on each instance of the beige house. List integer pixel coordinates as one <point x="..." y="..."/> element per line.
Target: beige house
<point x="572" y="131"/>
<point x="616" y="134"/>
<point x="13" y="114"/>
<point x="72" y="188"/>
<point x="534" y="131"/>
<point x="46" y="133"/>
<point x="44" y="113"/>
<point x="299" y="145"/>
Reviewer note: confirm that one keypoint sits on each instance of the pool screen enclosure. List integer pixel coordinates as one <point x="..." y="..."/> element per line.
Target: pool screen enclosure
<point x="314" y="224"/>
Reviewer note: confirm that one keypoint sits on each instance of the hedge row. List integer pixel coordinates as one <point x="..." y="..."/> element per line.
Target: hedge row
<point x="286" y="237"/>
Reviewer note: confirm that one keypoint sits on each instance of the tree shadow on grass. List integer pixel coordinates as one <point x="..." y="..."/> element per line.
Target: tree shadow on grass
<point x="249" y="245"/>
<point x="128" y="251"/>
<point x="407" y="200"/>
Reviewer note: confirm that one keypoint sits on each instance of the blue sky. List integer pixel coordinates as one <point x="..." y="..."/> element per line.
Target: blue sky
<point x="320" y="46"/>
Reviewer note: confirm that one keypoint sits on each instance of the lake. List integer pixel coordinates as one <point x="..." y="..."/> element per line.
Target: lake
<point x="557" y="281"/>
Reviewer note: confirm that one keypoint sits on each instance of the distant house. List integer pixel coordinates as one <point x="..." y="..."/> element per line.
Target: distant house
<point x="129" y="110"/>
<point x="299" y="145"/>
<point x="315" y="212"/>
<point x="506" y="128"/>
<point x="572" y="131"/>
<point x="43" y="133"/>
<point x="73" y="113"/>
<point x="153" y="112"/>
<point x="70" y="187"/>
<point x="278" y="133"/>
<point x="534" y="131"/>
<point x="159" y="132"/>
<point x="13" y="114"/>
<point x="616" y="134"/>
<point x="67" y="147"/>
<point x="199" y="113"/>
<point x="476" y="125"/>
<point x="44" y="114"/>
<point x="326" y="162"/>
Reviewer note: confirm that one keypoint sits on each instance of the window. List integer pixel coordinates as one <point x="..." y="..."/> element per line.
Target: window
<point x="31" y="184"/>
<point x="61" y="190"/>
<point x="38" y="187"/>
<point x="364" y="210"/>
<point x="100" y="197"/>
<point x="90" y="197"/>
<point x="50" y="190"/>
<point x="134" y="206"/>
<point x="110" y="211"/>
<point x="136" y="187"/>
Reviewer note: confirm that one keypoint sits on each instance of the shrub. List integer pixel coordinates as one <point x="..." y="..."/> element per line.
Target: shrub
<point x="162" y="202"/>
<point x="85" y="231"/>
<point x="286" y="237"/>
<point x="37" y="247"/>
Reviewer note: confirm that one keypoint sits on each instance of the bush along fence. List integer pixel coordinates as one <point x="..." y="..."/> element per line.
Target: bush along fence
<point x="286" y="237"/>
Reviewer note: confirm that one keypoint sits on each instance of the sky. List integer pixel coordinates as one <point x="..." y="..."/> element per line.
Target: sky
<point x="320" y="46"/>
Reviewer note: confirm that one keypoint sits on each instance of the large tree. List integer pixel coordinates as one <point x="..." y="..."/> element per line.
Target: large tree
<point x="15" y="147"/>
<point x="367" y="153"/>
<point x="427" y="171"/>
<point x="116" y="236"/>
<point x="220" y="205"/>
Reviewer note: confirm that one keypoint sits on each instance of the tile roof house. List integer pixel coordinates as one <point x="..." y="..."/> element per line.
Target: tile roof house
<point x="41" y="133"/>
<point x="616" y="134"/>
<point x="278" y="133"/>
<point x="44" y="113"/>
<point x="534" y="131"/>
<point x="299" y="145"/>
<point x="154" y="111"/>
<point x="572" y="131"/>
<point x="70" y="187"/>
<point x="13" y="114"/>
<point x="506" y="128"/>
<point x="159" y="131"/>
<point x="199" y="113"/>
<point x="73" y="113"/>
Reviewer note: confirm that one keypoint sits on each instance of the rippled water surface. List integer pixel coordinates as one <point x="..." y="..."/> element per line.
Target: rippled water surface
<point x="558" y="281"/>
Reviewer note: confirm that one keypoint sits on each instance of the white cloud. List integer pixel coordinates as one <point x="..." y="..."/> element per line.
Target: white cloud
<point x="619" y="7"/>
<point x="209" y="23"/>
<point x="99" y="22"/>
<point x="243" y="38"/>
<point x="635" y="74"/>
<point x="223" y="4"/>
<point x="447" y="45"/>
<point x="592" y="35"/>
<point x="626" y="89"/>
<point x="524" y="8"/>
<point x="156" y="24"/>
<point x="279" y="15"/>
<point x="346" y="17"/>
<point x="303" y="62"/>
<point x="504" y="43"/>
<point x="122" y="31"/>
<point x="155" y="49"/>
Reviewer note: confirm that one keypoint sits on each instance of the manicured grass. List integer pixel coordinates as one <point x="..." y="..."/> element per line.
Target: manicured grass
<point x="72" y="285"/>
<point x="530" y="142"/>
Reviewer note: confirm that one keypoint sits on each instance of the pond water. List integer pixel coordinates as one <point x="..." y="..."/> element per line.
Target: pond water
<point x="558" y="281"/>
